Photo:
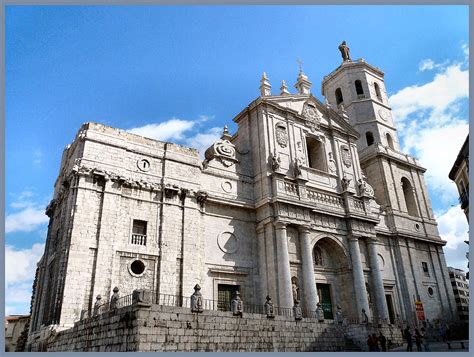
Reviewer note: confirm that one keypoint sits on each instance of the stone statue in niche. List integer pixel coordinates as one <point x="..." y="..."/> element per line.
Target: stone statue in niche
<point x="319" y="312"/>
<point x="97" y="304"/>
<point x="236" y="305"/>
<point x="346" y="156"/>
<point x="276" y="161"/>
<point x="297" y="310"/>
<point x="345" y="183"/>
<point x="269" y="311"/>
<point x="113" y="299"/>
<point x="297" y="167"/>
<point x="332" y="163"/>
<point x="365" y="318"/>
<point x="196" y="300"/>
<point x="339" y="316"/>
<point x="295" y="289"/>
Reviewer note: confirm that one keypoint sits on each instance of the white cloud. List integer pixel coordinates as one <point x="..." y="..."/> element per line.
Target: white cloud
<point x="23" y="200"/>
<point x="37" y="157"/>
<point x="427" y="64"/>
<point x="20" y="264"/>
<point x="201" y="141"/>
<point x="430" y="125"/>
<point x="184" y="131"/>
<point x="10" y="310"/>
<point x="437" y="148"/>
<point x="168" y="130"/>
<point x="172" y="129"/>
<point x="453" y="228"/>
<point x="447" y="87"/>
<point x="27" y="220"/>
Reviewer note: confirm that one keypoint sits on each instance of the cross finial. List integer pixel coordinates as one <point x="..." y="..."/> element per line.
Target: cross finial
<point x="300" y="64"/>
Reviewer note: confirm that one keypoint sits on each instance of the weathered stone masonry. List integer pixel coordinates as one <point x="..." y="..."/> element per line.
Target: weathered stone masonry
<point x="307" y="201"/>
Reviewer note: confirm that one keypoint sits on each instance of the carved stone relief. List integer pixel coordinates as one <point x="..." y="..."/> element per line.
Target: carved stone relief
<point x="224" y="151"/>
<point x="281" y="134"/>
<point x="346" y="156"/>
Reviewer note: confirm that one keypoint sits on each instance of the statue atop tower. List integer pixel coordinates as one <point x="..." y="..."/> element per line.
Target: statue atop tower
<point x="345" y="52"/>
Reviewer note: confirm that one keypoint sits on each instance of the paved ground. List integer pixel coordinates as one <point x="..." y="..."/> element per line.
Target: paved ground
<point x="437" y="347"/>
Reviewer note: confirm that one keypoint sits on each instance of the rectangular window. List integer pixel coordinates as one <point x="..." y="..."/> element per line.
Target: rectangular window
<point x="139" y="232"/>
<point x="425" y="268"/>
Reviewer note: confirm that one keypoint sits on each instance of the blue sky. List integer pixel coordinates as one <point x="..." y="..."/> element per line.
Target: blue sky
<point x="183" y="72"/>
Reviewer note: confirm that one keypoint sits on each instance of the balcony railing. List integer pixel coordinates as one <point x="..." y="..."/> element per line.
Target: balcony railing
<point x="139" y="239"/>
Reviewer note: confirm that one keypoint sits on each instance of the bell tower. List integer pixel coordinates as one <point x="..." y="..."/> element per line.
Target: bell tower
<point x="359" y="88"/>
<point x="408" y="224"/>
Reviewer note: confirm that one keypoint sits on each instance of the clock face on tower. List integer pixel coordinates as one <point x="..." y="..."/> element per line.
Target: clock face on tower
<point x="383" y="114"/>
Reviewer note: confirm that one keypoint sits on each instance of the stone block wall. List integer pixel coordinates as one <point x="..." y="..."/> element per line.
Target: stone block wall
<point x="166" y="328"/>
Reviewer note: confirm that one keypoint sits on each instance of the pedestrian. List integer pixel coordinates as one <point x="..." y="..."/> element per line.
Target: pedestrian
<point x="375" y="342"/>
<point x="418" y="340"/>
<point x="383" y="341"/>
<point x="442" y="333"/>
<point x="407" y="335"/>
<point x="424" y="339"/>
<point x="370" y="343"/>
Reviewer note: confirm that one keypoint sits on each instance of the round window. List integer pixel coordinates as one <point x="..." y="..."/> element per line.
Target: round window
<point x="417" y="226"/>
<point x="137" y="267"/>
<point x="430" y="291"/>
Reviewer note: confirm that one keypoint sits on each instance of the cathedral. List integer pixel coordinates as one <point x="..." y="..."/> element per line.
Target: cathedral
<point x="308" y="201"/>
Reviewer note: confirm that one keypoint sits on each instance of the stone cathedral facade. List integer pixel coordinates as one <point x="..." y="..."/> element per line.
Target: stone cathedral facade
<point x="307" y="201"/>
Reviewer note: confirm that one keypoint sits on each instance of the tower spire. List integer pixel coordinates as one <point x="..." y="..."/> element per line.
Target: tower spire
<point x="265" y="86"/>
<point x="303" y="84"/>
<point x="284" y="88"/>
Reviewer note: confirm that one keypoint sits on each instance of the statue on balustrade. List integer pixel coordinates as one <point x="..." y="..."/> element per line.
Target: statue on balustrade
<point x="97" y="305"/>
<point x="269" y="311"/>
<point x="237" y="305"/>
<point x="339" y="316"/>
<point x="113" y="299"/>
<point x="297" y="311"/>
<point x="319" y="312"/>
<point x="196" y="300"/>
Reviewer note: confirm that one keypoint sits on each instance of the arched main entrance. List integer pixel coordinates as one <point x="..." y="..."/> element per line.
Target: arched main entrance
<point x="332" y="274"/>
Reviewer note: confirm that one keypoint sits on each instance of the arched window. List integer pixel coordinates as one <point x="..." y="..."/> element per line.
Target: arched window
<point x="359" y="89"/>
<point x="409" y="197"/>
<point x="377" y="91"/>
<point x="339" y="98"/>
<point x="369" y="137"/>
<point x="316" y="154"/>
<point x="390" y="141"/>
<point x="317" y="256"/>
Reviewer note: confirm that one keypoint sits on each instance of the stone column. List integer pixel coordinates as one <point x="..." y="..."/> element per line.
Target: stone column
<point x="358" y="276"/>
<point x="380" y="301"/>
<point x="262" y="264"/>
<point x="283" y="262"/>
<point x="309" y="282"/>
